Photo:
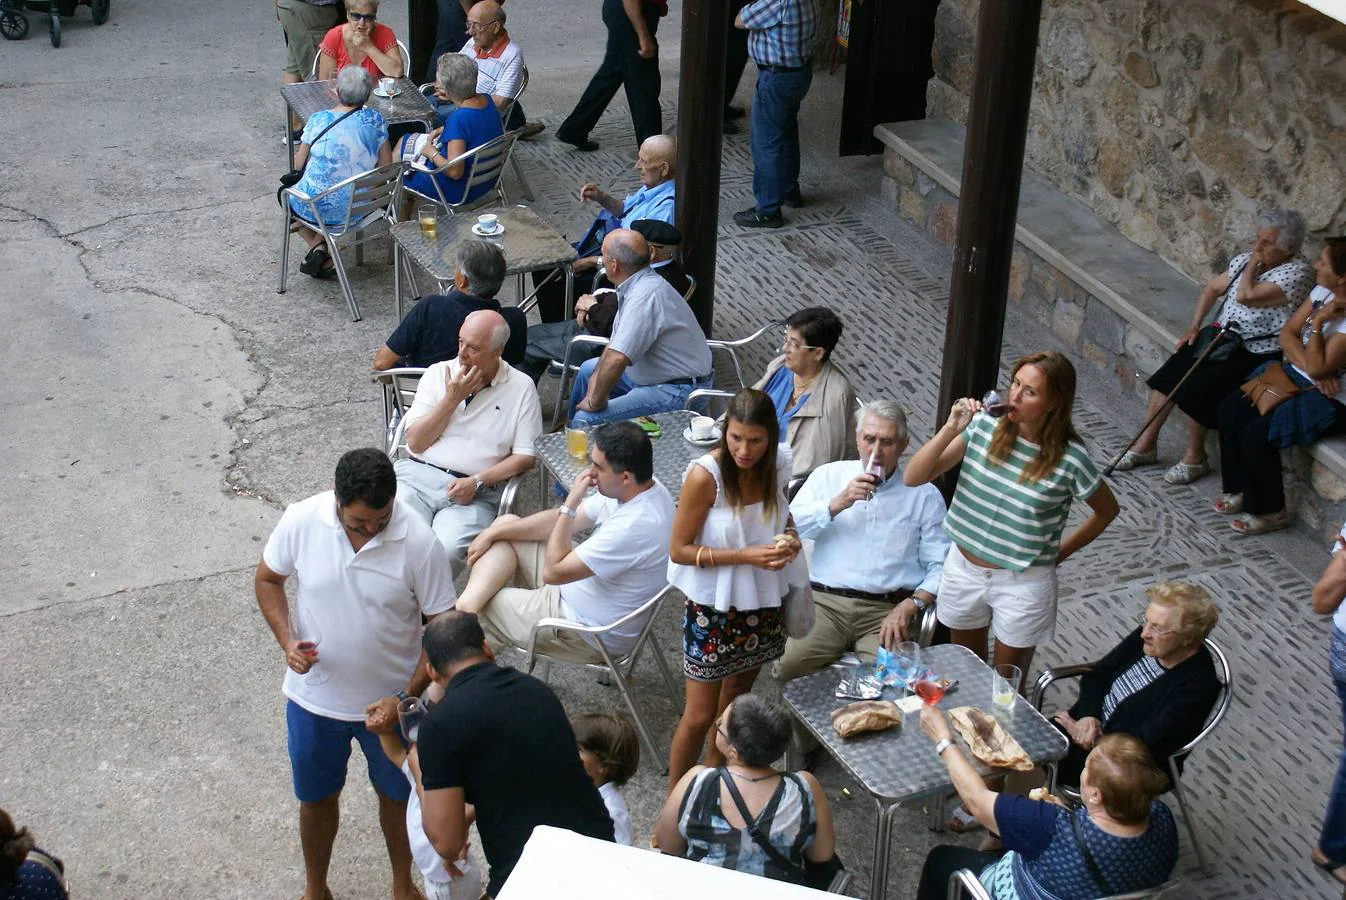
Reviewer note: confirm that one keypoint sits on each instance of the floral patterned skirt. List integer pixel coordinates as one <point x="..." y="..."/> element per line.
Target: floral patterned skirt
<point x="718" y="644"/>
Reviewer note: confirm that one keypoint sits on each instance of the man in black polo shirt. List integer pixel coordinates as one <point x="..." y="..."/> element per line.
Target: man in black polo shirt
<point x="501" y="742"/>
<point x="429" y="333"/>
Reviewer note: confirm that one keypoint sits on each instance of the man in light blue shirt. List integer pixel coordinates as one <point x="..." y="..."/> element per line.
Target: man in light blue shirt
<point x="653" y="200"/>
<point x="878" y="551"/>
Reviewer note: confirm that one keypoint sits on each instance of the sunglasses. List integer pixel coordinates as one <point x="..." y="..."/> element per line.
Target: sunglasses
<point x="361" y="17"/>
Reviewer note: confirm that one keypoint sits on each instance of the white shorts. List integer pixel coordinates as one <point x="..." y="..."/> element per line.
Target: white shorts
<point x="466" y="887"/>
<point x="1020" y="607"/>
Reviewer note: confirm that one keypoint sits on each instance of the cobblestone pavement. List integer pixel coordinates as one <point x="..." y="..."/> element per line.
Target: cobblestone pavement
<point x="1259" y="783"/>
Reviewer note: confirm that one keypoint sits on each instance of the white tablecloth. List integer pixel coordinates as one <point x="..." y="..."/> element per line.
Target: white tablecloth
<point x="561" y="865"/>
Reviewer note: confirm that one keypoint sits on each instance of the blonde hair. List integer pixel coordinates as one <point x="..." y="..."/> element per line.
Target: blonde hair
<point x="1123" y="770"/>
<point x="1197" y="613"/>
<point x="1057" y="430"/>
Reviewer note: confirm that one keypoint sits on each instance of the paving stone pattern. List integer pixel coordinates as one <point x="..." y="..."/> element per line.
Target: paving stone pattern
<point x="1260" y="783"/>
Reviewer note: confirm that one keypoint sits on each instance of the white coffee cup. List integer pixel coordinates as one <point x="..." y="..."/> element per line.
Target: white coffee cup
<point x="488" y="222"/>
<point x="703" y="427"/>
<point x="387" y="85"/>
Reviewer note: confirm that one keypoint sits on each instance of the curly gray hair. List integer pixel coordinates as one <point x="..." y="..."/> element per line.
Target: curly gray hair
<point x="1289" y="225"/>
<point x="457" y="76"/>
<point x="883" y="409"/>
<point x="354" y="85"/>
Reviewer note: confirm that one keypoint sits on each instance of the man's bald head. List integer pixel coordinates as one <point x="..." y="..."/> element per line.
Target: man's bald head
<point x="625" y="252"/>
<point x="481" y="339"/>
<point x="657" y="160"/>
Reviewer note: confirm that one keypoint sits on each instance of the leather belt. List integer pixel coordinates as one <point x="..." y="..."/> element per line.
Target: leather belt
<point x="696" y="379"/>
<point x="764" y="68"/>
<point x="893" y="597"/>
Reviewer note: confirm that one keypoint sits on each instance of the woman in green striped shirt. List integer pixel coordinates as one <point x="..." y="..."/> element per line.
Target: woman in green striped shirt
<point x="1020" y="475"/>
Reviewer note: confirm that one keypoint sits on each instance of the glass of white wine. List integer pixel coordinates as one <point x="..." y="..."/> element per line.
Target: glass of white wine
<point x="1005" y="686"/>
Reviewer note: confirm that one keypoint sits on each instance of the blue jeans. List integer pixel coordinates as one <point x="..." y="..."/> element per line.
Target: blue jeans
<point x="1332" y="839"/>
<point x="775" y="135"/>
<point x="628" y="399"/>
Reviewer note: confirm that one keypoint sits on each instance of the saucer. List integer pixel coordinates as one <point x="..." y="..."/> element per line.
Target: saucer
<point x="395" y="91"/>
<point x="481" y="232"/>
<point x="702" y="442"/>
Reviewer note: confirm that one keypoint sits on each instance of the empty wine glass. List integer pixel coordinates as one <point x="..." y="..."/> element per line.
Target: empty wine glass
<point x="993" y="405"/>
<point x="907" y="662"/>
<point x="410" y="712"/>
<point x="304" y="629"/>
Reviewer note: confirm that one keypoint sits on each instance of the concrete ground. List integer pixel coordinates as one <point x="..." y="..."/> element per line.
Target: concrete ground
<point x="179" y="402"/>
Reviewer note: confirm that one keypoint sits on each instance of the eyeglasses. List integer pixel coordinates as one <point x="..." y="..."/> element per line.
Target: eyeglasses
<point x="719" y="726"/>
<point x="792" y="344"/>
<point x="1146" y="625"/>
<point x="481" y="26"/>
<point x="361" y="17"/>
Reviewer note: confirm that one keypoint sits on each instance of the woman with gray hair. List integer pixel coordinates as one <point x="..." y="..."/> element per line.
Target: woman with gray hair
<point x="747" y="815"/>
<point x="338" y="143"/>
<point x="471" y="122"/>
<point x="1261" y="287"/>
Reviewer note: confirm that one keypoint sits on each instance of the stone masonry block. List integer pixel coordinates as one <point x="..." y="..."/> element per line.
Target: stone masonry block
<point x="889" y="194"/>
<point x="944" y="223"/>
<point x="924" y="183"/>
<point x="1104" y="327"/>
<point x="1326" y="483"/>
<point x="1067" y="320"/>
<point x="910" y="206"/>
<point x="1146" y="355"/>
<point x="896" y="167"/>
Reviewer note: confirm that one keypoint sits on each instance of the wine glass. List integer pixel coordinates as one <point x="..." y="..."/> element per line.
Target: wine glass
<point x="993" y="405"/>
<point x="304" y="629"/>
<point x="907" y="662"/>
<point x="410" y="713"/>
<point x="929" y="687"/>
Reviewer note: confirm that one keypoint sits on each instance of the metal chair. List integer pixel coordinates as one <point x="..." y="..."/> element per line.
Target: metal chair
<point x="524" y="187"/>
<point x="964" y="885"/>
<point x="399" y="392"/>
<point x="1052" y="675"/>
<point x="619" y="665"/>
<point x="732" y="347"/>
<point x="482" y="165"/>
<point x="402" y="51"/>
<point x="372" y="198"/>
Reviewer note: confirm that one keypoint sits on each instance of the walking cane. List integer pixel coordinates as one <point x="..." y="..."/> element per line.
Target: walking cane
<point x="1168" y="400"/>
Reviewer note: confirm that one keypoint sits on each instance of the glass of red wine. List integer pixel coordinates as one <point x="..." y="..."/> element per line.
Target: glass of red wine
<point x="305" y="630"/>
<point x="930" y="688"/>
<point x="993" y="405"/>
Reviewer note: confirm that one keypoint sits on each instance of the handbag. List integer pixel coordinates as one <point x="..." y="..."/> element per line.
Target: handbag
<point x="818" y="876"/>
<point x="51" y="864"/>
<point x="291" y="178"/>
<point x="1269" y="388"/>
<point x="1225" y="344"/>
<point x="797" y="604"/>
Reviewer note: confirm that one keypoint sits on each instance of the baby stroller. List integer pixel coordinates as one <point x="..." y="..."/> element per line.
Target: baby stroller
<point x="14" y="24"/>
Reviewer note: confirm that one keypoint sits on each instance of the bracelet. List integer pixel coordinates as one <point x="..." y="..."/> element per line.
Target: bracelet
<point x="943" y="745"/>
<point x="699" y="551"/>
<point x="712" y="558"/>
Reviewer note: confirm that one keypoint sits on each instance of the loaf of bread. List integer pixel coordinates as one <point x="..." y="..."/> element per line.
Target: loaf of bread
<point x="866" y="715"/>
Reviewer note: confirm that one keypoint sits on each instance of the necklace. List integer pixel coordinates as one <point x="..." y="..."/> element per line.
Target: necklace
<point x="801" y="387"/>
<point x="772" y="774"/>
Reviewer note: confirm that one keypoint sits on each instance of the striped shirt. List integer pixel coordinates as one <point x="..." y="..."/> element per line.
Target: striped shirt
<point x="781" y="32"/>
<point x="499" y="70"/>
<point x="1137" y="678"/>
<point x="1008" y="522"/>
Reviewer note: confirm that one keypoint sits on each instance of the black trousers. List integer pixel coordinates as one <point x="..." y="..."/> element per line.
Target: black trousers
<point x="1249" y="464"/>
<point x="622" y="66"/>
<point x="946" y="859"/>
<point x="552" y="296"/>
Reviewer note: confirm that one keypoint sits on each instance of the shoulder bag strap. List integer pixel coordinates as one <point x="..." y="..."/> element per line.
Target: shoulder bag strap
<point x="48" y="863"/>
<point x="334" y="123"/>
<point x="750" y="822"/>
<point x="1088" y="855"/>
<point x="1228" y="292"/>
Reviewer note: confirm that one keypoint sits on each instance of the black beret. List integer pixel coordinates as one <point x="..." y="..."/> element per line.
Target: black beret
<point x="657" y="232"/>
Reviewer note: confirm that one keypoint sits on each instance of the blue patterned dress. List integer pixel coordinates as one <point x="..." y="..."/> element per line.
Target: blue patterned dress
<point x="348" y="149"/>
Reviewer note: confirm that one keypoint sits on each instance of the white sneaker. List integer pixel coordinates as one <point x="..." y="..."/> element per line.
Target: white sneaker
<point x="1186" y="473"/>
<point x="1133" y="460"/>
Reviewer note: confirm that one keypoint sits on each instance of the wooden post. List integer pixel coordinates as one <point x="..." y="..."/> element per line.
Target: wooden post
<point x="705" y="25"/>
<point x="997" y="127"/>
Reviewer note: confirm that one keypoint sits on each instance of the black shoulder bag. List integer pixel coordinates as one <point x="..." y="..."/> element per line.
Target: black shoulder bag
<point x="291" y="178"/>
<point x="818" y="876"/>
<point x="1094" y="869"/>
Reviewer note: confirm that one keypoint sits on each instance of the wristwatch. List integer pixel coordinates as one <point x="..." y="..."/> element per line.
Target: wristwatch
<point x="566" y="511"/>
<point x="920" y="602"/>
<point x="402" y="695"/>
<point x="478" y="484"/>
<point x="943" y="745"/>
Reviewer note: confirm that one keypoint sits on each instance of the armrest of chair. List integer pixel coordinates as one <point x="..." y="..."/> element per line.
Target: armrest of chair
<point x="964" y="884"/>
<point x="386" y="376"/>
<point x="509" y="496"/>
<point x="581" y="340"/>
<point x="928" y="622"/>
<point x="741" y="342"/>
<point x="706" y="394"/>
<point x="645" y="609"/>
<point x="1050" y="676"/>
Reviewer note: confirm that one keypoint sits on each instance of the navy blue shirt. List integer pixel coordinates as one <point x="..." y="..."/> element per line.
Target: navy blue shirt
<point x="429" y="333"/>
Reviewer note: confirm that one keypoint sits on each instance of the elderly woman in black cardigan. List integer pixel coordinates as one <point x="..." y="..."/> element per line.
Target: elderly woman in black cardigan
<point x="1158" y="684"/>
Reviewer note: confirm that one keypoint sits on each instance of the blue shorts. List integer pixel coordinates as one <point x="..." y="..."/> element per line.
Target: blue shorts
<point x="320" y="748"/>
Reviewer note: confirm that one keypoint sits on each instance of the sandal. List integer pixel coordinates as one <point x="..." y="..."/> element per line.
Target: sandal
<point x="1186" y="473"/>
<point x="1334" y="870"/>
<point x="961" y="822"/>
<point x="1132" y="459"/>
<point x="1228" y="504"/>
<point x="1251" y="524"/>
<point x="313" y="261"/>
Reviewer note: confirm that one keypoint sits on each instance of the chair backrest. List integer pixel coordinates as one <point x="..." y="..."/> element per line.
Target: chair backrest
<point x="482" y="165"/>
<point x="1221" y="706"/>
<point x="708" y="395"/>
<point x="509" y="107"/>
<point x="370" y="194"/>
<point x="399" y="391"/>
<point x="691" y="289"/>
<point x="964" y="884"/>
<point x="405" y="54"/>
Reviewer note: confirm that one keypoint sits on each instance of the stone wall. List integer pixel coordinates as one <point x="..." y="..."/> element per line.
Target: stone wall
<point x="1176" y="120"/>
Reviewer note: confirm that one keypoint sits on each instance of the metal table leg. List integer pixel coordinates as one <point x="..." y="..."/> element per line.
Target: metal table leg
<point x="569" y="309"/>
<point x="883" y="832"/>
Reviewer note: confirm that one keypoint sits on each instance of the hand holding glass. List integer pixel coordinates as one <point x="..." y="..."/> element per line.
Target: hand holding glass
<point x="308" y="636"/>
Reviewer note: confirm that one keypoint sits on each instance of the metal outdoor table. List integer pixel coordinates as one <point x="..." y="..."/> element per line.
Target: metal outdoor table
<point x="308" y="97"/>
<point x="672" y="455"/>
<point x="899" y="765"/>
<point x="528" y="242"/>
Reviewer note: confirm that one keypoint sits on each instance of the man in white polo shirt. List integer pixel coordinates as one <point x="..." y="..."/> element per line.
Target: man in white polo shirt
<point x="470" y="429"/>
<point x="366" y="570"/>
<point x="500" y="67"/>
<point x="623" y="563"/>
